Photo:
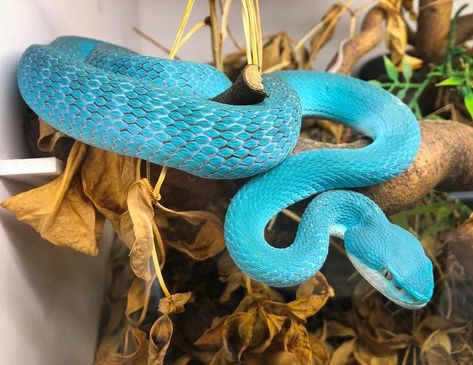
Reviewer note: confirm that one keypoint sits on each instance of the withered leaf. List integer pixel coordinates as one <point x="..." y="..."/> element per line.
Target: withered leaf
<point x="272" y="326"/>
<point x="296" y="341"/>
<point x="343" y="353"/>
<point x="48" y="136"/>
<point x="140" y="207"/>
<point x="365" y="357"/>
<point x="175" y="303"/>
<point x="277" y="51"/>
<point x="438" y="340"/>
<point x="160" y="338"/>
<point x="237" y="331"/>
<point x="311" y="296"/>
<point x="330" y="18"/>
<point x="396" y="29"/>
<point x="337" y="329"/>
<point x="136" y="352"/>
<point x="209" y="239"/>
<point x="320" y="352"/>
<point x="161" y="331"/>
<point x="60" y="211"/>
<point x="138" y="298"/>
<point x="437" y="355"/>
<point x="107" y="178"/>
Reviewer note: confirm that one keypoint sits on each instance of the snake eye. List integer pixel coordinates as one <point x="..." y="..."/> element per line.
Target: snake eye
<point x="387" y="274"/>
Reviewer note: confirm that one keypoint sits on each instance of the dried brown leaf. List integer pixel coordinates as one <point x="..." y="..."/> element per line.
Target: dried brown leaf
<point x="136" y="352"/>
<point x="138" y="298"/>
<point x="437" y="339"/>
<point x="175" y="303"/>
<point x="396" y="29"/>
<point x="331" y="19"/>
<point x="311" y="296"/>
<point x="296" y="341"/>
<point x="107" y="178"/>
<point x="320" y="352"/>
<point x="337" y="329"/>
<point x="48" y="136"/>
<point x="209" y="239"/>
<point x="271" y="325"/>
<point x="159" y="340"/>
<point x="437" y="355"/>
<point x="278" y="51"/>
<point x="140" y="207"/>
<point x="365" y="357"/>
<point x="343" y="354"/>
<point x="237" y="332"/>
<point x="60" y="211"/>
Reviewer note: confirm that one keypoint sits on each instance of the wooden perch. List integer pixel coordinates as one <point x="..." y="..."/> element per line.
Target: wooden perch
<point x="444" y="162"/>
<point x="460" y="242"/>
<point x="464" y="28"/>
<point x="246" y="90"/>
<point x="371" y="34"/>
<point x="433" y="25"/>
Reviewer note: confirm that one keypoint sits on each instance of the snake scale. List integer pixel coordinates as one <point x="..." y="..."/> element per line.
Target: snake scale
<point x="161" y="110"/>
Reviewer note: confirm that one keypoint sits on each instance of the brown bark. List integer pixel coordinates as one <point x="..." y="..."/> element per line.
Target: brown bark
<point x="246" y="90"/>
<point x="464" y="28"/>
<point x="460" y="243"/>
<point x="433" y="25"/>
<point x="371" y="34"/>
<point x="444" y="162"/>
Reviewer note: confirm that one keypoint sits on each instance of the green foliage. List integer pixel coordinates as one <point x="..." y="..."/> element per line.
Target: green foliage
<point x="453" y="73"/>
<point x="434" y="214"/>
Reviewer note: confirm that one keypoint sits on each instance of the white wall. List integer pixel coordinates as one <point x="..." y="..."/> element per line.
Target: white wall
<point x="50" y="297"/>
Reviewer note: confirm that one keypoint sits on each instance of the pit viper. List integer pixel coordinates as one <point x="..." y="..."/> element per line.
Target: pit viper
<point x="161" y="110"/>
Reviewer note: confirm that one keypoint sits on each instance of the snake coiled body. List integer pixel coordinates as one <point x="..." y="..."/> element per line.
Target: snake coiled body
<point x="156" y="109"/>
<point x="160" y="110"/>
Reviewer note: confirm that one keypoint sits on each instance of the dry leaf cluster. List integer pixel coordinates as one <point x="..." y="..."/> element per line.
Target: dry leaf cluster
<point x="215" y="314"/>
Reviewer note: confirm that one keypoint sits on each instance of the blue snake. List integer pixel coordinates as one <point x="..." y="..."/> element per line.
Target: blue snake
<point x="161" y="111"/>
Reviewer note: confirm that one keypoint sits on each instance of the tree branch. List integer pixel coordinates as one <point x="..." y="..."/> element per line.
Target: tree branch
<point x="371" y="34"/>
<point x="464" y="28"/>
<point x="433" y="25"/>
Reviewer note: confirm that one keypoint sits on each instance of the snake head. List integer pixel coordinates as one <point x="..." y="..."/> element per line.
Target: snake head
<point x="392" y="260"/>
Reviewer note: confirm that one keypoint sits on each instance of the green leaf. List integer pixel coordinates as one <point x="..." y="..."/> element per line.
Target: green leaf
<point x="401" y="94"/>
<point x="469" y="103"/>
<point x="406" y="69"/>
<point x="375" y="83"/>
<point x="451" y="81"/>
<point x="390" y="69"/>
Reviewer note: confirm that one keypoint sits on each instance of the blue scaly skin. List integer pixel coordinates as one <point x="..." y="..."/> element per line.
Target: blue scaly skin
<point x="159" y="110"/>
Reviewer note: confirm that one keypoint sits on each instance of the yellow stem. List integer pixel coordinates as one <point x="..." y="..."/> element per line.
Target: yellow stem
<point x="259" y="35"/>
<point x="138" y="170"/>
<point x="190" y="33"/>
<point x="180" y="31"/>
<point x="153" y="41"/>
<point x="248" y="285"/>
<point x="224" y="21"/>
<point x="159" y="241"/>
<point x="159" y="274"/>
<point x="159" y="183"/>
<point x="246" y="28"/>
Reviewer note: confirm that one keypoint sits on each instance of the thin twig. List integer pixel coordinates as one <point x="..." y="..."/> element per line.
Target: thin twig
<point x="154" y="42"/>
